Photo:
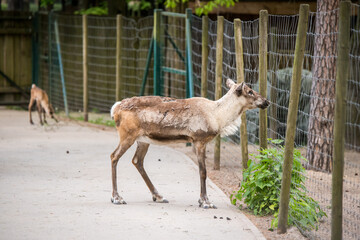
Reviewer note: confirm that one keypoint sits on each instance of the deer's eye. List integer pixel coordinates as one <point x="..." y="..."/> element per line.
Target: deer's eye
<point x="251" y="93"/>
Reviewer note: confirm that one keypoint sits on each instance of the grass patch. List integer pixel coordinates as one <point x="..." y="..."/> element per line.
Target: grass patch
<point x="15" y="108"/>
<point x="98" y="121"/>
<point x="101" y="121"/>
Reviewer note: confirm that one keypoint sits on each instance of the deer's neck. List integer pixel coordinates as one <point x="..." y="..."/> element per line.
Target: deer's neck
<point x="228" y="112"/>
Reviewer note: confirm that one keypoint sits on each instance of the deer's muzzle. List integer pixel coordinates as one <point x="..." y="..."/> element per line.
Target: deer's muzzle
<point x="265" y="104"/>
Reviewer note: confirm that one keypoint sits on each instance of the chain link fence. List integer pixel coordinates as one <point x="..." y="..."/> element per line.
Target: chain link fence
<point x="135" y="41"/>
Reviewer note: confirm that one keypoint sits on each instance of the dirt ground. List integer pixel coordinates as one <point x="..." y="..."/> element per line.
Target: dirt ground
<point x="228" y="180"/>
<point x="318" y="184"/>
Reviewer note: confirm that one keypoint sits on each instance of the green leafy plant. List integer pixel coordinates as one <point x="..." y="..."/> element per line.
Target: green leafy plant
<point x="260" y="188"/>
<point x="203" y="8"/>
<point x="138" y="5"/>
<point x="100" y="10"/>
<point x="46" y="3"/>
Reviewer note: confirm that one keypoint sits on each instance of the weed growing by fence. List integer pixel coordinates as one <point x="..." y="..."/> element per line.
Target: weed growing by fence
<point x="261" y="186"/>
<point x="98" y="121"/>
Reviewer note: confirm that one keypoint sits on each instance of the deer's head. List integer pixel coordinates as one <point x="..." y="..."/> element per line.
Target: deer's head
<point x="251" y="98"/>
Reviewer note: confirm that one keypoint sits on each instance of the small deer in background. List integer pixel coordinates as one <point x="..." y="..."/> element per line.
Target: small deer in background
<point x="162" y="120"/>
<point x="42" y="103"/>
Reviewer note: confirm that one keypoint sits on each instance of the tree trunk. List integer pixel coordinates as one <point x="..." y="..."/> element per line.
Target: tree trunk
<point x="322" y="105"/>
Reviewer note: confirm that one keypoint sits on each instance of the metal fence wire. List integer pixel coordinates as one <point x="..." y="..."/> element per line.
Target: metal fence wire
<point x="173" y="55"/>
<point x="135" y="42"/>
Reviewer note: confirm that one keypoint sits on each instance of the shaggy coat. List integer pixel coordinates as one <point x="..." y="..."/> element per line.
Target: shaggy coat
<point x="161" y="120"/>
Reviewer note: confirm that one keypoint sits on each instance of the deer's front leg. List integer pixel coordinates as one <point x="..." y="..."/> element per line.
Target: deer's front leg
<point x="204" y="200"/>
<point x="115" y="156"/>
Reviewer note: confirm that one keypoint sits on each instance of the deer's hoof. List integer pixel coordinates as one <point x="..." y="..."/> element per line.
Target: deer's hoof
<point x="159" y="199"/>
<point x="206" y="204"/>
<point x="117" y="201"/>
<point x="31" y="122"/>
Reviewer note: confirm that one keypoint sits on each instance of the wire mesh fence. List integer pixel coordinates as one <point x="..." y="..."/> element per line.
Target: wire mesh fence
<point x="173" y="56"/>
<point x="135" y="42"/>
<point x="70" y="36"/>
<point x="101" y="62"/>
<point x="196" y="38"/>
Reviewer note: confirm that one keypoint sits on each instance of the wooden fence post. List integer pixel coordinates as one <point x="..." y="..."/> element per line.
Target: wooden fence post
<point x="241" y="78"/>
<point x="85" y="67"/>
<point x="273" y="92"/>
<point x="263" y="76"/>
<point x="204" y="55"/>
<point x="218" y="81"/>
<point x="342" y="70"/>
<point x="118" y="57"/>
<point x="292" y="116"/>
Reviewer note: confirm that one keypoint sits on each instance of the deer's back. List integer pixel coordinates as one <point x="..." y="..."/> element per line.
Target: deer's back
<point x="164" y="118"/>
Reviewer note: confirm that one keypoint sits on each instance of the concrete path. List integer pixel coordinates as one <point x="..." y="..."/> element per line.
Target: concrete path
<point x="55" y="183"/>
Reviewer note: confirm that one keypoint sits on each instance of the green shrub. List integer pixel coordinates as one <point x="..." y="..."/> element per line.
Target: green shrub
<point x="100" y="10"/>
<point x="260" y="189"/>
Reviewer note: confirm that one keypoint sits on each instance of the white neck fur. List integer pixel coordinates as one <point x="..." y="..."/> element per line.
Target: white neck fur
<point x="228" y="112"/>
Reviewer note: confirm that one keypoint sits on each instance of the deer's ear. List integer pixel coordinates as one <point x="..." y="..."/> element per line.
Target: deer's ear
<point x="229" y="83"/>
<point x="239" y="89"/>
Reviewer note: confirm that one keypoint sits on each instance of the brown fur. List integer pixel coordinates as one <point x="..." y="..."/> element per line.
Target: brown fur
<point x="42" y="103"/>
<point x="154" y="119"/>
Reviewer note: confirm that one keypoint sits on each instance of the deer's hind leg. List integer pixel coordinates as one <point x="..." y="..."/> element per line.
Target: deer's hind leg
<point x="44" y="114"/>
<point x="138" y="161"/>
<point x="39" y="109"/>
<point x="115" y="156"/>
<point x="32" y="101"/>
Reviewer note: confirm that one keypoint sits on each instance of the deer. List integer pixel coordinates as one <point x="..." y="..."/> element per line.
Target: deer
<point x="161" y="120"/>
<point x="42" y="102"/>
